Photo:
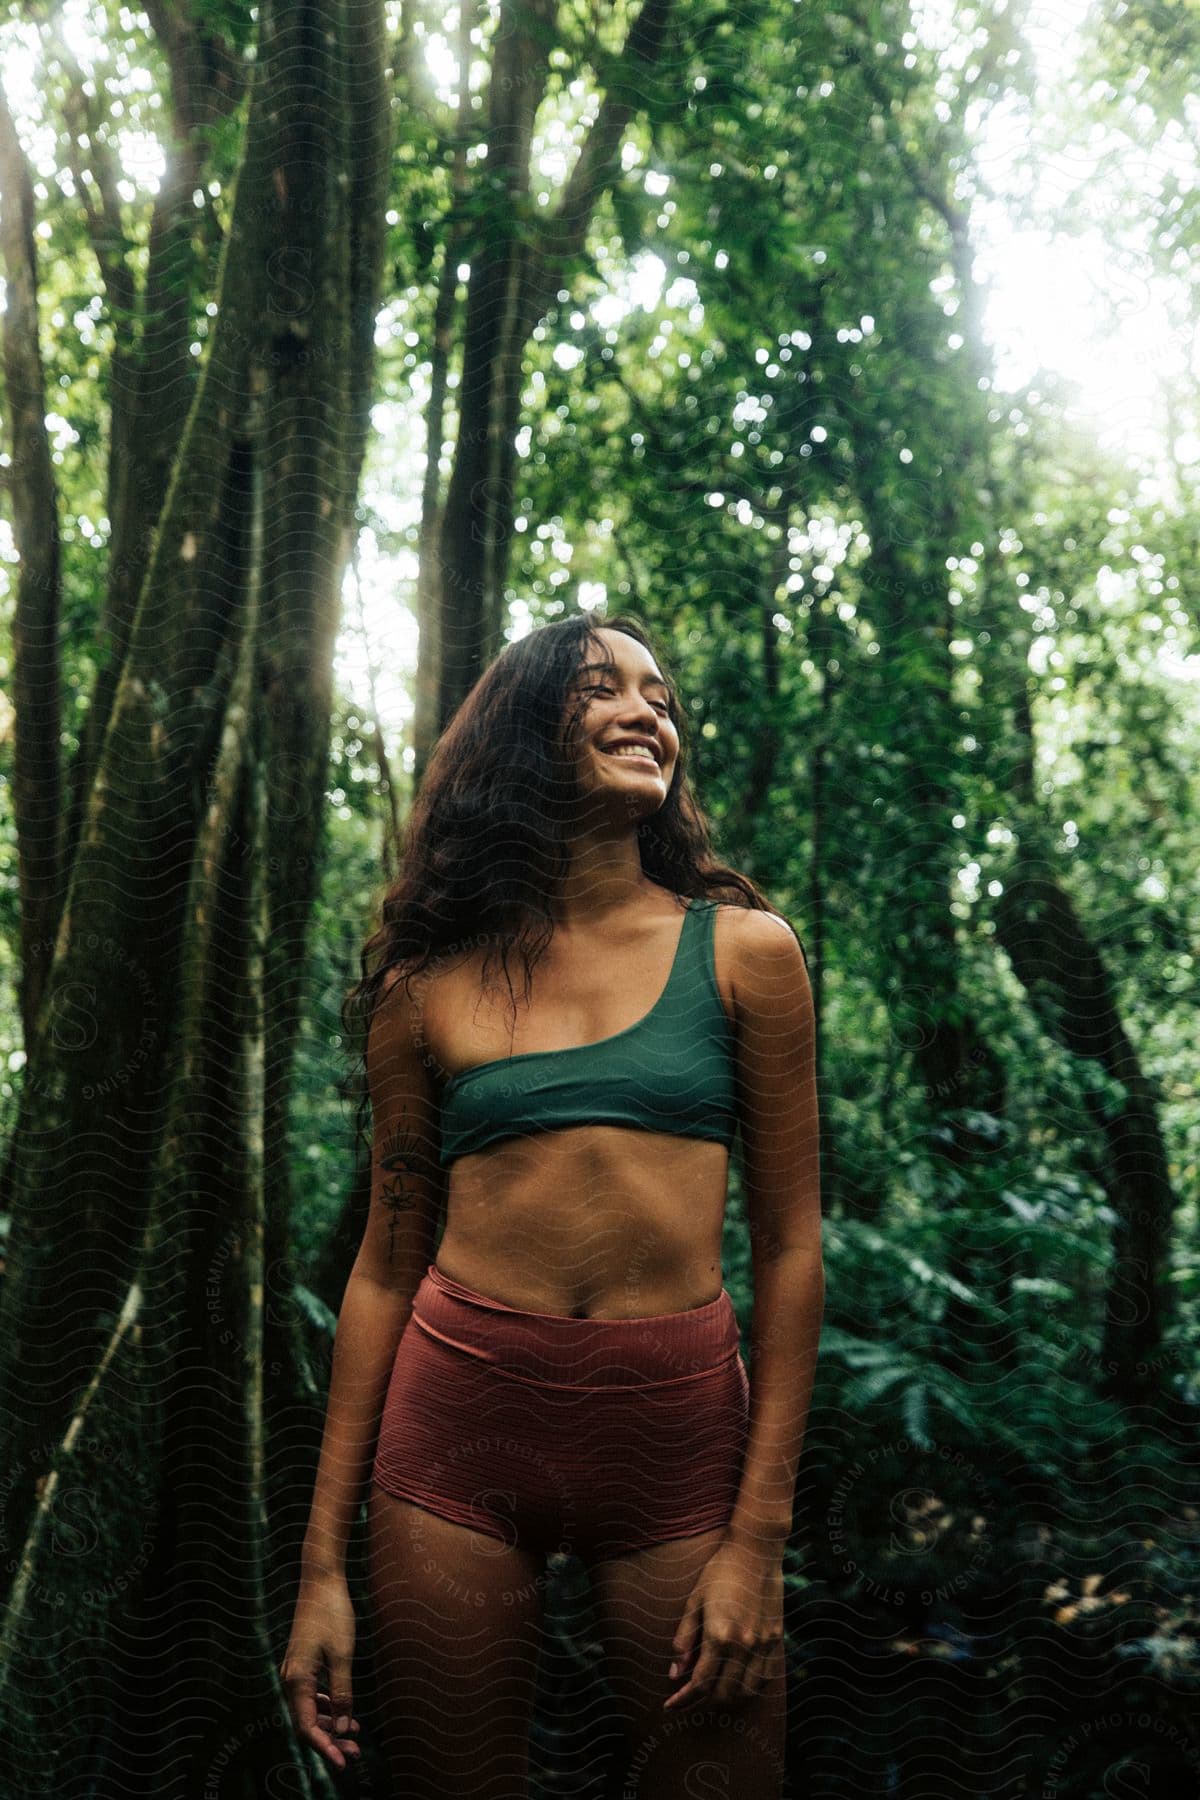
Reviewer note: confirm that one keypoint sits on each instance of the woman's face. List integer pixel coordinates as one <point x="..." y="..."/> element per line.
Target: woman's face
<point x="626" y="743"/>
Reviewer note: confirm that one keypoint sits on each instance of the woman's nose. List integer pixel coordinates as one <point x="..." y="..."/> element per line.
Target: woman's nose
<point x="639" y="708"/>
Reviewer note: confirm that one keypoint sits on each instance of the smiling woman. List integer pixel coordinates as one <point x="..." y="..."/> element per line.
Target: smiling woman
<point x="656" y="743"/>
<point x="562" y="1370"/>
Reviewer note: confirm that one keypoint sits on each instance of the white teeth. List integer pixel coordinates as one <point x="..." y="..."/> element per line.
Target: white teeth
<point x="632" y="750"/>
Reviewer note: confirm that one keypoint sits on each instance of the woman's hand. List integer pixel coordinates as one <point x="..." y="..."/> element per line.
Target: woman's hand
<point x="322" y="1638"/>
<point x="734" y="1618"/>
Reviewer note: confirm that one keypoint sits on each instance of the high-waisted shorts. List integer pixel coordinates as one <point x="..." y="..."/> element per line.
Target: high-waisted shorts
<point x="591" y="1437"/>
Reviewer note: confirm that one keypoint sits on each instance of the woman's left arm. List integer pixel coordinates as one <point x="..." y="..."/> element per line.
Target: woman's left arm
<point x="734" y="1616"/>
<point x="777" y="1075"/>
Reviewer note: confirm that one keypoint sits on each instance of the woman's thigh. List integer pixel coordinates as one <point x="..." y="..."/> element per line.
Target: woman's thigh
<point x="726" y="1752"/>
<point x="457" y="1622"/>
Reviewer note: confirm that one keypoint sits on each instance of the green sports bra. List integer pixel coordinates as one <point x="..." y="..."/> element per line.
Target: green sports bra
<point x="673" y="1071"/>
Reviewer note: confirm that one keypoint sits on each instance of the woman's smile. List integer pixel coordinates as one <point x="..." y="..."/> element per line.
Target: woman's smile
<point x="631" y="753"/>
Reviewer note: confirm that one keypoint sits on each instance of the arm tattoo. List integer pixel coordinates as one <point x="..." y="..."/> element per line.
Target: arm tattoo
<point x="401" y="1162"/>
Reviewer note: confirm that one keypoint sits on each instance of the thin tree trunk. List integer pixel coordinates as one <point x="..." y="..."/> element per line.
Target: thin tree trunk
<point x="520" y="69"/>
<point x="389" y="793"/>
<point x="37" y="678"/>
<point x="425" y="706"/>
<point x="836" y="1188"/>
<point x="1063" y="974"/>
<point x="764" y="761"/>
<point x="514" y="282"/>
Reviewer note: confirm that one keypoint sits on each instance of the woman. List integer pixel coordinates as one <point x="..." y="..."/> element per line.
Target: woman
<point x="566" y="1375"/>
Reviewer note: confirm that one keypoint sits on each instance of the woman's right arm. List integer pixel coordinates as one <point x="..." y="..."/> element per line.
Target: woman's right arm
<point x="407" y="1193"/>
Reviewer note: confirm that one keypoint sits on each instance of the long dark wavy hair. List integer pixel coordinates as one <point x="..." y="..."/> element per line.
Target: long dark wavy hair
<point x="487" y="841"/>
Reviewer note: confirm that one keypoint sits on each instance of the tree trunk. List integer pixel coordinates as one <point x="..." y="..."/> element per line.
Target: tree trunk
<point x="150" y="1148"/>
<point x="425" y="708"/>
<point x="326" y="279"/>
<point x="153" y="374"/>
<point x="837" y="1188"/>
<point x="1055" y="957"/>
<point x="517" y="269"/>
<point x="37" y="680"/>
<point x="520" y="69"/>
<point x="1068" y="985"/>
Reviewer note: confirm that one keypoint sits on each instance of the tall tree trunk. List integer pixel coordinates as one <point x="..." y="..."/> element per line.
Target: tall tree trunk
<point x="1056" y="958"/>
<point x="517" y="269"/>
<point x="768" y="740"/>
<point x="836" y="1188"/>
<point x="150" y="1137"/>
<point x="520" y="69"/>
<point x="37" y="680"/>
<point x="326" y="279"/>
<point x="152" y="374"/>
<point x="425" y="706"/>
<point x="1057" y="962"/>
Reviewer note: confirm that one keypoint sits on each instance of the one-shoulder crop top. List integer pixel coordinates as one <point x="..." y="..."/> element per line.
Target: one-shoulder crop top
<point x="673" y="1071"/>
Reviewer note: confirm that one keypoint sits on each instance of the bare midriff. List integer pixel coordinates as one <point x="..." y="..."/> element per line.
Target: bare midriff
<point x="597" y="1221"/>
<point x="592" y="1221"/>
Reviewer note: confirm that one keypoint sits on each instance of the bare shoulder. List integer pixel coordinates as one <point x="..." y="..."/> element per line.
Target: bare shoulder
<point x="766" y="961"/>
<point x="757" y="934"/>
<point x="393" y="1002"/>
<point x="391" y="1040"/>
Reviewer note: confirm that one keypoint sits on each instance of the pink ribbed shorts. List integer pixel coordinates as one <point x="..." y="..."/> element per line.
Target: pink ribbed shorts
<point x="585" y="1436"/>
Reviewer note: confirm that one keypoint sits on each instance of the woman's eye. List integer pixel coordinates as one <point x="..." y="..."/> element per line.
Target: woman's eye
<point x="602" y="688"/>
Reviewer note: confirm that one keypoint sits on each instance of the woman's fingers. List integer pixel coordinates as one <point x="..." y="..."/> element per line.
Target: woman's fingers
<point x="327" y="1723"/>
<point x="704" y="1672"/>
<point x="311" y="1711"/>
<point x="339" y="1693"/>
<point x="738" y="1679"/>
<point x="757" y="1669"/>
<point x="725" y="1673"/>
<point x="303" y="1690"/>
